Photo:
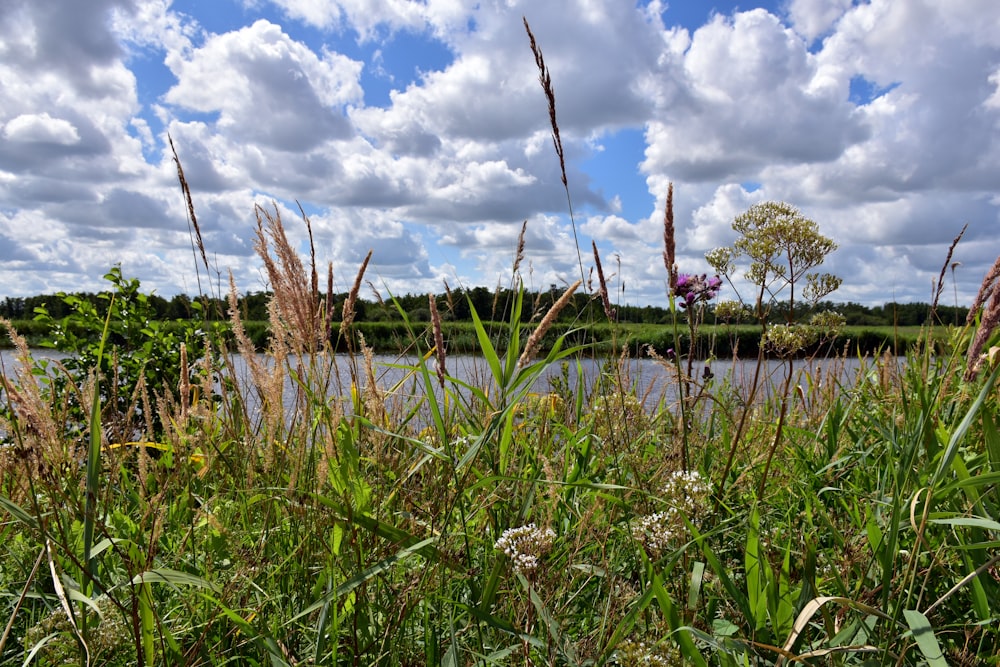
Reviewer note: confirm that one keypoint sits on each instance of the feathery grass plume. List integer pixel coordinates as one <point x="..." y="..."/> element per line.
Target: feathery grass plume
<point x="369" y="356"/>
<point x="535" y="339"/>
<point x="347" y="318"/>
<point x="944" y="269"/>
<point x="438" y="339"/>
<point x="989" y="322"/>
<point x="192" y="218"/>
<point x="988" y="300"/>
<point x="450" y="299"/>
<point x="294" y="304"/>
<point x="545" y="78"/>
<point x="669" y="239"/>
<point x="35" y="418"/>
<point x="375" y="293"/>
<point x="609" y="312"/>
<point x="519" y="255"/>
<point x="985" y="291"/>
<point x="268" y="388"/>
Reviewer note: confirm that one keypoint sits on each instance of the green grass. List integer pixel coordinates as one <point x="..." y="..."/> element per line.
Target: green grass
<point x="366" y="532"/>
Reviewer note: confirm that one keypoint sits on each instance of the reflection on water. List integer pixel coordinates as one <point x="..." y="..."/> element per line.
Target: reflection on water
<point x="654" y="381"/>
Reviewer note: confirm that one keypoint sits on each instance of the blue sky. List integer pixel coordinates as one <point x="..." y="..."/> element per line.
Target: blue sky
<point x="418" y="130"/>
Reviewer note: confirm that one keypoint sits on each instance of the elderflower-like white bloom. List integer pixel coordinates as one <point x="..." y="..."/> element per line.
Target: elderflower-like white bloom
<point x="655" y="532"/>
<point x="525" y="545"/>
<point x="686" y="494"/>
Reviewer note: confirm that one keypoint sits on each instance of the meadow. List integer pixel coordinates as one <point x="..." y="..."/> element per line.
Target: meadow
<point x="159" y="507"/>
<point x="152" y="516"/>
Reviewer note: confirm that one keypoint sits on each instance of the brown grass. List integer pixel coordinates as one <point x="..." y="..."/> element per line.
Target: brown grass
<point x="988" y="301"/>
<point x="347" y="318"/>
<point x="535" y="339"/>
<point x="602" y="286"/>
<point x="669" y="240"/>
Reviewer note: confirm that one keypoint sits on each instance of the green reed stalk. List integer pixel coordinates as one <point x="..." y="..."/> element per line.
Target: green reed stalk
<point x="94" y="470"/>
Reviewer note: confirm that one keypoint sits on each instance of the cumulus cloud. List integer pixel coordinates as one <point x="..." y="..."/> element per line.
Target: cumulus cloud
<point x="880" y="120"/>
<point x="267" y="88"/>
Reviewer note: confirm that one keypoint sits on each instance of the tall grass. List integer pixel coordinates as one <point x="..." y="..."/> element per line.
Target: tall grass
<point x="278" y="514"/>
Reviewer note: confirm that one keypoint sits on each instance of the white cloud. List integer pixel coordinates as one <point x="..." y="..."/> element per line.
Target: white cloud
<point x="813" y="18"/>
<point x="41" y="128"/>
<point x="267" y="88"/>
<point x="879" y="119"/>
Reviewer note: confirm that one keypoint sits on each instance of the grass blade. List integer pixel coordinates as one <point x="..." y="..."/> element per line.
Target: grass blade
<point x="923" y="634"/>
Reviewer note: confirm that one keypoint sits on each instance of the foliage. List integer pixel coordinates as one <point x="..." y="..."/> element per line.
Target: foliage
<point x="141" y="364"/>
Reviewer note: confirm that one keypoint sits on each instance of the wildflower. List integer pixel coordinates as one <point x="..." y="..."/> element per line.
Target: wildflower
<point x="787" y="340"/>
<point x="688" y="492"/>
<point x="692" y="289"/>
<point x="641" y="652"/>
<point x="730" y="311"/>
<point x="687" y="496"/>
<point x="656" y="531"/>
<point x="525" y="546"/>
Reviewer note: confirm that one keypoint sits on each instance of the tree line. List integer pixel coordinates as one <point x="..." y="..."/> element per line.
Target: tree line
<point x="489" y="304"/>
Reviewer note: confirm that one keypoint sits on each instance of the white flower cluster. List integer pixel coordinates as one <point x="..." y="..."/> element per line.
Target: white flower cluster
<point x="687" y="495"/>
<point x="686" y="491"/>
<point x="640" y="652"/>
<point x="655" y="531"/>
<point x="525" y="545"/>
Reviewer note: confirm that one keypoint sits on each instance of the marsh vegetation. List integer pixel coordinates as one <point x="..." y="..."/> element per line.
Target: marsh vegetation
<point x="157" y="507"/>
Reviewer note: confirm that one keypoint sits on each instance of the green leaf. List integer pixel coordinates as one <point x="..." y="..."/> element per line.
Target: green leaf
<point x="172" y="578"/>
<point x="694" y="588"/>
<point x="959" y="433"/>
<point x="923" y="633"/>
<point x="992" y="439"/>
<point x="974" y="522"/>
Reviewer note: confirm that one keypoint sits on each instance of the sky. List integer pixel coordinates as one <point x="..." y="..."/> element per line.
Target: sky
<point x="418" y="130"/>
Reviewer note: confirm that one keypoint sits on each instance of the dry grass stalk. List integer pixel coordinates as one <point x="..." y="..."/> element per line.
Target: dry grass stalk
<point x="988" y="301"/>
<point x="944" y="269"/>
<point x="33" y="418"/>
<point x="602" y="284"/>
<point x="669" y="239"/>
<point x="312" y="253"/>
<point x="328" y="306"/>
<point x="185" y="384"/>
<point x="439" y="352"/>
<point x="535" y="340"/>
<point x="519" y="255"/>
<point x="295" y="307"/>
<point x="352" y="298"/>
<point x="192" y="218"/>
